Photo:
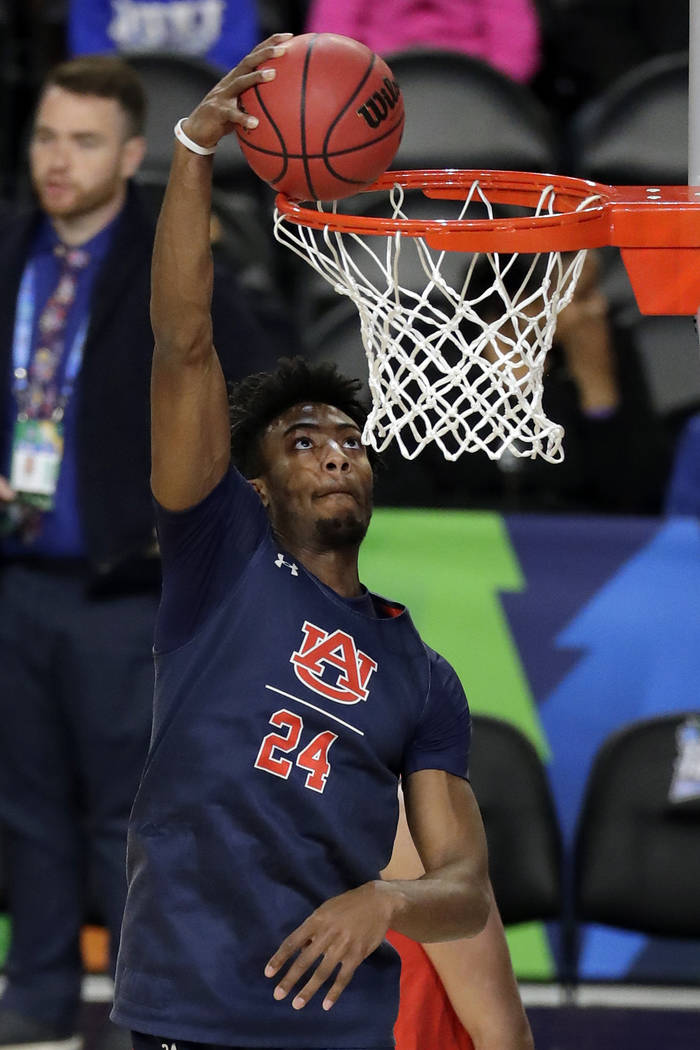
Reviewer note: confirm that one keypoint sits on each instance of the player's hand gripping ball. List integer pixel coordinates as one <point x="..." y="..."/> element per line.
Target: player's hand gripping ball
<point x="329" y="123"/>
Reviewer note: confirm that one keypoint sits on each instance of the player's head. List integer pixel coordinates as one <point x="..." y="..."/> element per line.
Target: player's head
<point x="296" y="433"/>
<point x="87" y="135"/>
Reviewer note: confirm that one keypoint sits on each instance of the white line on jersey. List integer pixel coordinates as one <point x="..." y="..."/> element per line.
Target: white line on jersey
<point x="290" y="696"/>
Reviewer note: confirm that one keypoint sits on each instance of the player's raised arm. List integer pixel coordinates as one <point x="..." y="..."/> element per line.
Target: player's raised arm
<point x="189" y="411"/>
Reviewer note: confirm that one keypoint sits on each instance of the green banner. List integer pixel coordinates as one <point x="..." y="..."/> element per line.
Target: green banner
<point x="449" y="568"/>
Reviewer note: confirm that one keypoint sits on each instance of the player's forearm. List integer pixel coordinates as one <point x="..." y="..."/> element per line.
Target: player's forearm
<point x="182" y="275"/>
<point x="442" y="905"/>
<point x="502" y="1035"/>
<point x="478" y="977"/>
<point x="182" y="271"/>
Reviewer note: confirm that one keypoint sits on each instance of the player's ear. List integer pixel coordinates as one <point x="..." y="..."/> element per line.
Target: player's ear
<point x="261" y="489"/>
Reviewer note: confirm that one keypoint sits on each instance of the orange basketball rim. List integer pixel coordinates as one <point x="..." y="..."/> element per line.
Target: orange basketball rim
<point x="656" y="228"/>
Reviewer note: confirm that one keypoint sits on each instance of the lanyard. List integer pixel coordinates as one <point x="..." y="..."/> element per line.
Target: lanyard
<point x="22" y="345"/>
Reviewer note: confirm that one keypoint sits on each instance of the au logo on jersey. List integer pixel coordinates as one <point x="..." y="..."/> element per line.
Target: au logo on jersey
<point x="332" y="665"/>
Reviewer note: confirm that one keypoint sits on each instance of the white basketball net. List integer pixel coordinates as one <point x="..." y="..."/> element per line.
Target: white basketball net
<point x="445" y="367"/>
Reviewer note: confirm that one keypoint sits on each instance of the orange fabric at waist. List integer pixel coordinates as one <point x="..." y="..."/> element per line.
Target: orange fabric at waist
<point x="426" y="1018"/>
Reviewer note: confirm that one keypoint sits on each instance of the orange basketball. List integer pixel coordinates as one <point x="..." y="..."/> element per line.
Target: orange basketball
<point x="330" y="122"/>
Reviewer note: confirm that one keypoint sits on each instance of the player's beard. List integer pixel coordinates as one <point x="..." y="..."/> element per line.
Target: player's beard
<point x="342" y="530"/>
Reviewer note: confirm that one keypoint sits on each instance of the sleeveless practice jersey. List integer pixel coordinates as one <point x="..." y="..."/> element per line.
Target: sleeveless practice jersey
<point x="283" y="717"/>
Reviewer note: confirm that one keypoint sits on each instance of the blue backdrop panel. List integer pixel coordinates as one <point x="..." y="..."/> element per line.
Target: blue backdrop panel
<point x="608" y="628"/>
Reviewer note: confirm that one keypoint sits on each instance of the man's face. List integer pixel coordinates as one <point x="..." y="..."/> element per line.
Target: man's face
<point x="80" y="153"/>
<point x="317" y="480"/>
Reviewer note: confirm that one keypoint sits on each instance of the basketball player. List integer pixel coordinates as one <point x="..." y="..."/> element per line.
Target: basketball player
<point x="288" y="699"/>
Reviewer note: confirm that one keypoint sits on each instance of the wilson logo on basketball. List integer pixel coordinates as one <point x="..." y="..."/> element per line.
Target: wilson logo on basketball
<point x="332" y="666"/>
<point x="380" y="104"/>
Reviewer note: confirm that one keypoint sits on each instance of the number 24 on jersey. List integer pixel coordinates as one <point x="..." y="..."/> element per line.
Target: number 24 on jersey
<point x="313" y="758"/>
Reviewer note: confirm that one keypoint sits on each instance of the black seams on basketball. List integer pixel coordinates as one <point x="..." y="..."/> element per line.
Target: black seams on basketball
<point x="330" y="122"/>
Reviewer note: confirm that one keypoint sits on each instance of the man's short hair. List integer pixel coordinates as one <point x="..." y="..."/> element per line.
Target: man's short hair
<point x="107" y="77"/>
<point x="257" y="400"/>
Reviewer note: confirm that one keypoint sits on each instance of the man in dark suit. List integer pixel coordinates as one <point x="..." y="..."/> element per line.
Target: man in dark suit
<point x="79" y="568"/>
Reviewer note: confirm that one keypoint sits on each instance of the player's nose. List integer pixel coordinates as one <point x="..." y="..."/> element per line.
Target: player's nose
<point x="335" y="458"/>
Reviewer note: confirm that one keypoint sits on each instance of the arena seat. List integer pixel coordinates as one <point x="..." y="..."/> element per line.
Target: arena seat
<point x="637" y="852"/>
<point x="636" y="131"/>
<point x="463" y="113"/>
<point x="525" y="853"/>
<point x="241" y="232"/>
<point x="174" y="85"/>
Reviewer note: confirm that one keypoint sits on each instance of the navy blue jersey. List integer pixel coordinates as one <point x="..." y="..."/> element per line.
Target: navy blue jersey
<point x="283" y="718"/>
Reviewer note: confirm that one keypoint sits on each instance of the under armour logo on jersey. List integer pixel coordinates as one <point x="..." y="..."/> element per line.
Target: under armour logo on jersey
<point x="279" y="562"/>
<point x="321" y="650"/>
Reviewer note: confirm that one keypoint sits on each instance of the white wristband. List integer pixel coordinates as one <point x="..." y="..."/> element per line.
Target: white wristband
<point x="193" y="147"/>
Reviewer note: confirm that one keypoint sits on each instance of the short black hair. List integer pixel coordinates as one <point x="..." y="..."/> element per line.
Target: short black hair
<point x="106" y="76"/>
<point x="258" y="399"/>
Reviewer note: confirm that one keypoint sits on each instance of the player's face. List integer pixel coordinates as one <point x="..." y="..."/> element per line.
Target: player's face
<point x="80" y="153"/>
<point x="317" y="481"/>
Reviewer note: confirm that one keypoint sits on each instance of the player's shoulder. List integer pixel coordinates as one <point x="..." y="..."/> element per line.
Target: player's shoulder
<point x="437" y="660"/>
<point x="232" y="508"/>
<point x="230" y="487"/>
<point x="442" y="674"/>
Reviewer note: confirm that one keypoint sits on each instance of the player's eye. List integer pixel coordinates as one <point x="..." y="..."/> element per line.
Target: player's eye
<point x="352" y="442"/>
<point x="303" y="441"/>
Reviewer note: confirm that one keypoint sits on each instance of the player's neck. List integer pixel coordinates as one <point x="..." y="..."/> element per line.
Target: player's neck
<point x="338" y="569"/>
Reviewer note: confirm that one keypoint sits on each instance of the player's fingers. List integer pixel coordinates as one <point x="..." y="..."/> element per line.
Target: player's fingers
<point x="340" y="984"/>
<point x="239" y="79"/>
<point x="229" y="108"/>
<point x="229" y="101"/>
<point x="323" y="971"/>
<point x="270" y="43"/>
<point x="296" y="940"/>
<point x="305" y="961"/>
<point x="273" y="47"/>
<point x="247" y="80"/>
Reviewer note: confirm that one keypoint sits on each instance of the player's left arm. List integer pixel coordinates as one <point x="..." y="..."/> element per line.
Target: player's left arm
<point x="476" y="972"/>
<point x="450" y="900"/>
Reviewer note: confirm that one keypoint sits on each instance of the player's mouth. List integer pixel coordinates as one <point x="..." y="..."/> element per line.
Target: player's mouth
<point x="335" y="492"/>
